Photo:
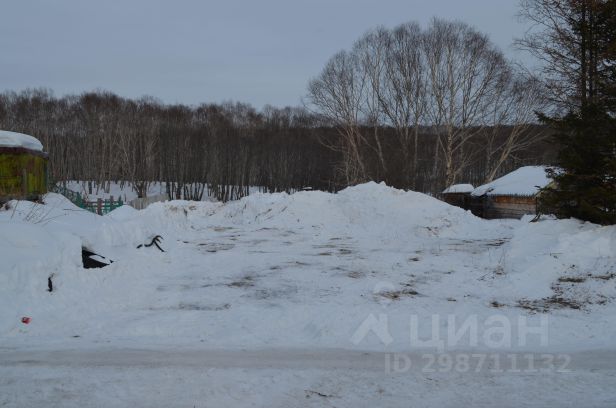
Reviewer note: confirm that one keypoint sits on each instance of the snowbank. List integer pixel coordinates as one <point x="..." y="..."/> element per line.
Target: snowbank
<point x="30" y="254"/>
<point x="525" y="181"/>
<point x="122" y="213"/>
<point x="13" y="139"/>
<point x="369" y="208"/>
<point x="574" y="252"/>
<point x="107" y="235"/>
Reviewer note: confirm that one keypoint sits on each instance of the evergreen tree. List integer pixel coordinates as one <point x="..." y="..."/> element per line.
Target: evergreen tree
<point x="578" y="42"/>
<point x="585" y="185"/>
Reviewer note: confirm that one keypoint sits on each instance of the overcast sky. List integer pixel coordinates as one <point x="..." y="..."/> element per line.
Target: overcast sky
<point x="192" y="51"/>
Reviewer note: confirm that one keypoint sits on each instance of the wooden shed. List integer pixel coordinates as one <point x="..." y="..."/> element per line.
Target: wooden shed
<point x="511" y="196"/>
<point x="503" y="206"/>
<point x="458" y="195"/>
<point x="23" y="167"/>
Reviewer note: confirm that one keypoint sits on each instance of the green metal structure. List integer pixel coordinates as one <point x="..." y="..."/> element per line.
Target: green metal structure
<point x="23" y="173"/>
<point x="100" y="206"/>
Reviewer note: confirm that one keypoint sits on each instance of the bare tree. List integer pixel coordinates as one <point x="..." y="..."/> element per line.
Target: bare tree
<point x="403" y="94"/>
<point x="338" y="92"/>
<point x="464" y="70"/>
<point x="371" y="52"/>
<point x="513" y="123"/>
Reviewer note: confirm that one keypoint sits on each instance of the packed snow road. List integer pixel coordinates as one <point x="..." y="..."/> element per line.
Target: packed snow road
<point x="296" y="299"/>
<point x="291" y="378"/>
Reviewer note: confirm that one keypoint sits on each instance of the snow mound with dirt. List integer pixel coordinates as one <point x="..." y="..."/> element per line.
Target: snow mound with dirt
<point x="372" y="208"/>
<point x="555" y="264"/>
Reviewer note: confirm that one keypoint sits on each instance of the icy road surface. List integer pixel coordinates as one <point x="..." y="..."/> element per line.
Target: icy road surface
<point x="289" y="378"/>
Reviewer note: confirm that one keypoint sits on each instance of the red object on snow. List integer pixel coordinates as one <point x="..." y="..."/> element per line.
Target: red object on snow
<point x="25" y="320"/>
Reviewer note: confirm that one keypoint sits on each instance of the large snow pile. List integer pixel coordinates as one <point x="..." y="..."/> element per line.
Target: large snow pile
<point x="525" y="181"/>
<point x="371" y="209"/>
<point x="13" y="139"/>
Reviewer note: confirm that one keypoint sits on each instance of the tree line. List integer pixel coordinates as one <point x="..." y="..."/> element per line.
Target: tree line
<point x="101" y="137"/>
<point x="417" y="109"/>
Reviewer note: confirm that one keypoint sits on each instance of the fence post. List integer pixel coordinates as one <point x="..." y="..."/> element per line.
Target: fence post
<point x="99" y="204"/>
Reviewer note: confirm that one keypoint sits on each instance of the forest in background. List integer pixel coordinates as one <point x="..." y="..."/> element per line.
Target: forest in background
<point x="103" y="137"/>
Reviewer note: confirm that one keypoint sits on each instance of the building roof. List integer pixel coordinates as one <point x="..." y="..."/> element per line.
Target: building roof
<point x="525" y="181"/>
<point x="459" y="188"/>
<point x="13" y="139"/>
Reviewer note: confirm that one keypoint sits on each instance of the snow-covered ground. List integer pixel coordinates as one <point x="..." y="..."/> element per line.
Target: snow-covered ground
<point x="369" y="297"/>
<point x="125" y="190"/>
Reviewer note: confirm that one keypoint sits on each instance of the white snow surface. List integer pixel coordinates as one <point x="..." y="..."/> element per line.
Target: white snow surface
<point x="459" y="188"/>
<point x="13" y="139"/>
<point x="260" y="302"/>
<point x="525" y="181"/>
<point x="125" y="190"/>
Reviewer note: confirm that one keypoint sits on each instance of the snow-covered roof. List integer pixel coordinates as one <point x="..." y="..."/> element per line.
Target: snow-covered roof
<point x="459" y="188"/>
<point x="525" y="181"/>
<point x="13" y="139"/>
